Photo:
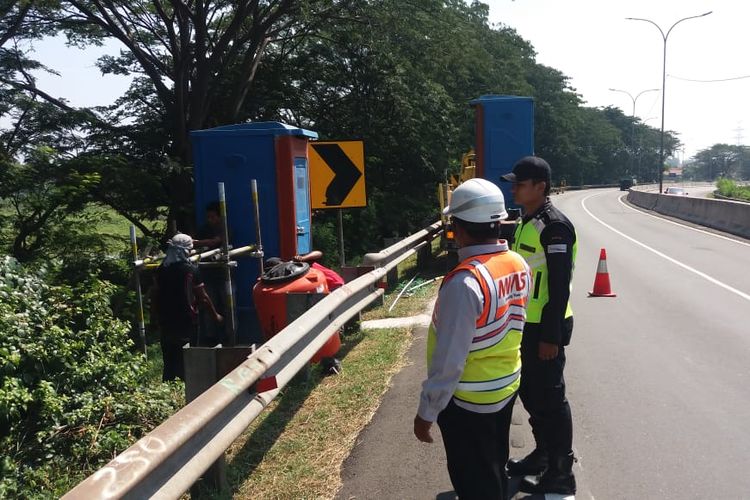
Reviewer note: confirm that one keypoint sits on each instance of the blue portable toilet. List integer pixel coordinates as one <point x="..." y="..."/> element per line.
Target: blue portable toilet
<point x="275" y="154"/>
<point x="504" y="133"/>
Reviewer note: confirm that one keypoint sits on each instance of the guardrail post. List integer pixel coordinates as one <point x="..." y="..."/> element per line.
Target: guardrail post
<point x="424" y="256"/>
<point x="391" y="277"/>
<point x="205" y="366"/>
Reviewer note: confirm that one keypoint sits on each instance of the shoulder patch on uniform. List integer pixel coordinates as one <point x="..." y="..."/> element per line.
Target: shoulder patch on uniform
<point x="559" y="248"/>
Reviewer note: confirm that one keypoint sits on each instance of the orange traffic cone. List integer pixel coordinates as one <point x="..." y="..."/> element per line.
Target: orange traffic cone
<point x="601" y="282"/>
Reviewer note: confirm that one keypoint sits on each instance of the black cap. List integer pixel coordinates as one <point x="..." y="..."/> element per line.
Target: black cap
<point x="529" y="167"/>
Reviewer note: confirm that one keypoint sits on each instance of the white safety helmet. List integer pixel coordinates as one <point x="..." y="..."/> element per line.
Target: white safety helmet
<point x="477" y="200"/>
<point x="181" y="240"/>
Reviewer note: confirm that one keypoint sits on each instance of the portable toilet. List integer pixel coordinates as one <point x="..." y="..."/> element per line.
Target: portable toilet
<point x="504" y="133"/>
<point x="275" y="154"/>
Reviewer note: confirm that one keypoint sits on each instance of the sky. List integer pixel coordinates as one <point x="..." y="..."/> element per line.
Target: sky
<point x="589" y="41"/>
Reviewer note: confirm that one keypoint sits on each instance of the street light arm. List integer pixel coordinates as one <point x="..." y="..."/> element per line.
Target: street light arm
<point x="644" y="91"/>
<point x="650" y="21"/>
<point x="626" y="93"/>
<point x="685" y="19"/>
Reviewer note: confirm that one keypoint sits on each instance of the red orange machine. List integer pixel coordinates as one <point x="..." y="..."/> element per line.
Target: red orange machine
<point x="270" y="298"/>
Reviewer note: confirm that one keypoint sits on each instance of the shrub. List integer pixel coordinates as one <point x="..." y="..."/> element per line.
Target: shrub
<point x="73" y="393"/>
<point x="731" y="189"/>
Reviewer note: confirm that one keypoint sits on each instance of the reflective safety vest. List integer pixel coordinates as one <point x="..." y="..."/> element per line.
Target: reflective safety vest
<point x="493" y="367"/>
<point x="527" y="242"/>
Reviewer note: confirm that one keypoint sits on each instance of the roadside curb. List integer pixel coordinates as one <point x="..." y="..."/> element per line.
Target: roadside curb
<point x="407" y="322"/>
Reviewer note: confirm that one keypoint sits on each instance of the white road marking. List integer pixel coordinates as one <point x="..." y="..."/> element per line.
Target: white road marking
<point x="662" y="255"/>
<point x="619" y="198"/>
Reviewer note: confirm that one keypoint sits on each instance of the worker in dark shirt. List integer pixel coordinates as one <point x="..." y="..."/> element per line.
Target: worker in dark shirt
<point x="175" y="298"/>
<point x="547" y="240"/>
<point x="211" y="235"/>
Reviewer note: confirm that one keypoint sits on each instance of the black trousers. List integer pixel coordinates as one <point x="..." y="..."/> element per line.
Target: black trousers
<point x="171" y="352"/>
<point x="542" y="392"/>
<point x="476" y="445"/>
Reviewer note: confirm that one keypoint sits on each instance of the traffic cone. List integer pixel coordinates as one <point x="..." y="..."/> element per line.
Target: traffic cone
<point x="601" y="282"/>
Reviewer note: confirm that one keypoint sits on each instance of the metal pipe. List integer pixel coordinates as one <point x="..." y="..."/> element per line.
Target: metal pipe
<point x="402" y="292"/>
<point x="341" y="237"/>
<point x="140" y="264"/>
<point x="146" y="260"/>
<point x="256" y="208"/>
<point x="138" y="292"/>
<point x="229" y="320"/>
<point x="378" y="259"/>
<point x="239" y="252"/>
<point x="425" y="283"/>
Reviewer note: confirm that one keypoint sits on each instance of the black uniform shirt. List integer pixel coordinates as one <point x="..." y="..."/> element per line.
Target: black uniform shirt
<point x="557" y="239"/>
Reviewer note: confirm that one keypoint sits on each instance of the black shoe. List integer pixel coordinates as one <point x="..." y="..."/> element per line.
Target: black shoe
<point x="558" y="478"/>
<point x="532" y="465"/>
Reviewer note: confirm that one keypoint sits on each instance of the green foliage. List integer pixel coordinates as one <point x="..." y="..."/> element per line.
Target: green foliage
<point x="720" y="160"/>
<point x="73" y="393"/>
<point x="731" y="189"/>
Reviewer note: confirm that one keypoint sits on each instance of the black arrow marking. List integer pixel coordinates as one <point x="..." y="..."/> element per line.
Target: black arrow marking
<point x="346" y="173"/>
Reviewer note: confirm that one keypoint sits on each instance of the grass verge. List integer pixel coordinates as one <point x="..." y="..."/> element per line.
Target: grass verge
<point x="296" y="447"/>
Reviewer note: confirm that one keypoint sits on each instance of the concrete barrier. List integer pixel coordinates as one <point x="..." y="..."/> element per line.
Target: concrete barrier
<point x="730" y="216"/>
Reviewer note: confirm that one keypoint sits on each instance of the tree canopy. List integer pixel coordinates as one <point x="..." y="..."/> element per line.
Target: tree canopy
<point x="397" y="74"/>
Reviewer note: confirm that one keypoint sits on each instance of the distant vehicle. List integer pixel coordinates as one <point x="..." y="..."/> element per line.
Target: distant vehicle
<point x="677" y="191"/>
<point x="627" y="183"/>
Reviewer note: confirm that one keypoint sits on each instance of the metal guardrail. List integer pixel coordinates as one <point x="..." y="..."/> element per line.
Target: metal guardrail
<point x="171" y="458"/>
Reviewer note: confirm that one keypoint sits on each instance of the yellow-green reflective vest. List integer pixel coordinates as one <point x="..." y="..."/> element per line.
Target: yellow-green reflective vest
<point x="492" y="372"/>
<point x="527" y="242"/>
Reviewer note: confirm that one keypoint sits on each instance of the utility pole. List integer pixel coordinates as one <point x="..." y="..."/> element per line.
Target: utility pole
<point x="664" y="80"/>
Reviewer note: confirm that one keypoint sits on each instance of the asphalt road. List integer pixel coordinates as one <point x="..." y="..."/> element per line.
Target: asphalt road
<point x="658" y="377"/>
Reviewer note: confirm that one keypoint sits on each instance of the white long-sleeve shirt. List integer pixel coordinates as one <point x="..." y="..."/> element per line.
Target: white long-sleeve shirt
<point x="459" y="304"/>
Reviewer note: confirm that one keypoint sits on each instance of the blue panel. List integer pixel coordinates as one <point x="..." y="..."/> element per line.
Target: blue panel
<point x="508" y="135"/>
<point x="234" y="155"/>
<point x="302" y="203"/>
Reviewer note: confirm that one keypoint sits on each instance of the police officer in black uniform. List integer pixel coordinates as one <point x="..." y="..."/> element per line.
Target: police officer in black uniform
<point x="547" y="240"/>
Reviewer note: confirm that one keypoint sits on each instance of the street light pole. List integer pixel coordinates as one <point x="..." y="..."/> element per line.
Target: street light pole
<point x="632" y="118"/>
<point x="664" y="82"/>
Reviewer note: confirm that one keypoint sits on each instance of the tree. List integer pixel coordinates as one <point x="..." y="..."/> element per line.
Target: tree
<point x="194" y="63"/>
<point x="557" y="121"/>
<point x="720" y="160"/>
<point x="401" y="79"/>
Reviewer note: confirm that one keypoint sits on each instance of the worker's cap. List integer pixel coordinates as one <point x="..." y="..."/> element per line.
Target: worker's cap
<point x="181" y="240"/>
<point x="529" y="167"/>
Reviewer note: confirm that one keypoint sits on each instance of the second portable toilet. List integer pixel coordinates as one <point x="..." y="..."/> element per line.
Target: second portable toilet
<point x="275" y="154"/>
<point x="504" y="133"/>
